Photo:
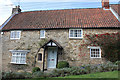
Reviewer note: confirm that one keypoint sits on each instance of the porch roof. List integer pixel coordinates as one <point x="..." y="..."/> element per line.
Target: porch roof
<point x="52" y="41"/>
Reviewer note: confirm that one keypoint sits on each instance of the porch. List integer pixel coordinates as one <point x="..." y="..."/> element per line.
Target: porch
<point x="47" y="56"/>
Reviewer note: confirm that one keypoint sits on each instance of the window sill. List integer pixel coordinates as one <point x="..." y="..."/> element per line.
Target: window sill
<point x="95" y="57"/>
<point x="18" y="63"/>
<point x="39" y="61"/>
<point x="14" y="38"/>
<point x="42" y="37"/>
<point x="75" y="37"/>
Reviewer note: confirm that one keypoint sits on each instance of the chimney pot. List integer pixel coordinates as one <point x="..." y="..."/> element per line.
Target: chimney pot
<point x="16" y="10"/>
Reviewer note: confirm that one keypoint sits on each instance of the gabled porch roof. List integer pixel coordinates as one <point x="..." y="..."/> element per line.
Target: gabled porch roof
<point x="52" y="43"/>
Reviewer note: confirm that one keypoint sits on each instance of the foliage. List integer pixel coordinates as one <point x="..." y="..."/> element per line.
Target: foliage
<point x="62" y="64"/>
<point x="111" y="74"/>
<point x="84" y="69"/>
<point x="16" y="75"/>
<point x="118" y="63"/>
<point x="35" y="69"/>
<point x="12" y="75"/>
<point x="38" y="74"/>
<point x="109" y="42"/>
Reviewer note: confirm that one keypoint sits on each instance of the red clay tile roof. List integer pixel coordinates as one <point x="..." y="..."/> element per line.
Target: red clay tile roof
<point x="69" y="18"/>
<point x="116" y="8"/>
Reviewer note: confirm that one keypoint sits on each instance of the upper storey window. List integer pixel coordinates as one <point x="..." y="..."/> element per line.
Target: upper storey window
<point x="42" y="33"/>
<point x="15" y="34"/>
<point x="75" y="33"/>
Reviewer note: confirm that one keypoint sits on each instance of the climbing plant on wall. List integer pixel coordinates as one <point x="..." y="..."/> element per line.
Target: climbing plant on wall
<point x="109" y="42"/>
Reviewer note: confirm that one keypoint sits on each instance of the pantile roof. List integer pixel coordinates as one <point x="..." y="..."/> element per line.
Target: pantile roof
<point x="68" y="18"/>
<point x="116" y="8"/>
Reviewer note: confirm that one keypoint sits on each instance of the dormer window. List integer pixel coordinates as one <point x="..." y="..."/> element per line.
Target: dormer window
<point x="15" y="34"/>
<point x="75" y="33"/>
<point x="42" y="33"/>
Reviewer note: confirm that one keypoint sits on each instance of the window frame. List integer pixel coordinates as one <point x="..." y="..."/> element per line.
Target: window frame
<point x="73" y="34"/>
<point x="41" y="57"/>
<point x="44" y="33"/>
<point x="20" y="52"/>
<point x="95" y="48"/>
<point x="15" y="38"/>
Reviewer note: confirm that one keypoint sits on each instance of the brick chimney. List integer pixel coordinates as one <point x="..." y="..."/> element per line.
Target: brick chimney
<point x="105" y="4"/>
<point x="16" y="10"/>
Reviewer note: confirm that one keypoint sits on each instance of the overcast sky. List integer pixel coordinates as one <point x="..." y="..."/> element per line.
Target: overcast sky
<point x="30" y="5"/>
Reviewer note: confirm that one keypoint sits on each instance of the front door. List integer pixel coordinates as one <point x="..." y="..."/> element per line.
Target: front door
<point x="52" y="58"/>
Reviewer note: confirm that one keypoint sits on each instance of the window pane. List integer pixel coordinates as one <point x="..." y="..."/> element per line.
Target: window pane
<point x="42" y="33"/>
<point x="75" y="33"/>
<point x="17" y="34"/>
<point x="13" y="59"/>
<point x="79" y="33"/>
<point x="23" y="60"/>
<point x="71" y="33"/>
<point x="40" y="57"/>
<point x="12" y="35"/>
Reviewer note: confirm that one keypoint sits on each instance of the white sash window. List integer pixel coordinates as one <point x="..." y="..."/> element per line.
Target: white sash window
<point x="95" y="52"/>
<point x="19" y="56"/>
<point x="42" y="33"/>
<point x="15" y="34"/>
<point x="75" y="33"/>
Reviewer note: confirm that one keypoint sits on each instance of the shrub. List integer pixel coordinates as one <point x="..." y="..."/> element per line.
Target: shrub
<point x="38" y="74"/>
<point x="35" y="69"/>
<point x="27" y="75"/>
<point x="117" y="62"/>
<point x="12" y="75"/>
<point x="58" y="72"/>
<point x="62" y="64"/>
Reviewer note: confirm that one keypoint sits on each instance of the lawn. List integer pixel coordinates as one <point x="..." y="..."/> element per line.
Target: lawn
<point x="95" y="76"/>
<point x="113" y="74"/>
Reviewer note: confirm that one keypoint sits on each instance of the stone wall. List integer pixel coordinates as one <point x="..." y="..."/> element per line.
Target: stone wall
<point x="29" y="41"/>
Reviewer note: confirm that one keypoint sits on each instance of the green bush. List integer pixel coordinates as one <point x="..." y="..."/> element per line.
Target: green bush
<point x="12" y="75"/>
<point x="84" y="69"/>
<point x="63" y="64"/>
<point x="27" y="75"/>
<point x="35" y="69"/>
<point x="38" y="74"/>
<point x="117" y="62"/>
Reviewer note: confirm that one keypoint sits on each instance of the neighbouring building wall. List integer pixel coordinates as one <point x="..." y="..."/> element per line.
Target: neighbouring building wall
<point x="30" y="41"/>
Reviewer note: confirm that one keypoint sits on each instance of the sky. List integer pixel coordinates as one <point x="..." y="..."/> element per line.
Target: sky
<point x="32" y="5"/>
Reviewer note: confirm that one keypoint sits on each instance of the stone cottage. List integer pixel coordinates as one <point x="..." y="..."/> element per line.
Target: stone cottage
<point x="43" y="38"/>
